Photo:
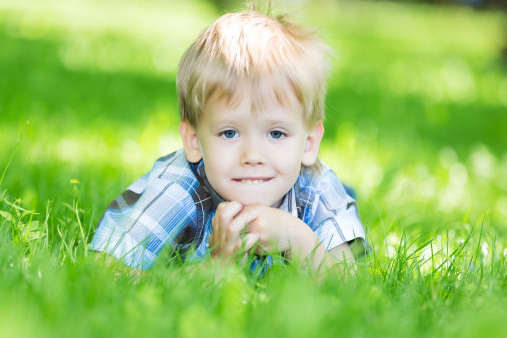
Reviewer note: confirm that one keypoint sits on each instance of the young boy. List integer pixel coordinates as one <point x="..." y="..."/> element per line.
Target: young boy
<point x="251" y="92"/>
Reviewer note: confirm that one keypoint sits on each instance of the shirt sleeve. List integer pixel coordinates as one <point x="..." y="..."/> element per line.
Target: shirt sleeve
<point x="333" y="215"/>
<point x="151" y="213"/>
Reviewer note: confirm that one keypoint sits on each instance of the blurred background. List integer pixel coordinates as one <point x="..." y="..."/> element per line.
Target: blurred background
<point x="416" y="106"/>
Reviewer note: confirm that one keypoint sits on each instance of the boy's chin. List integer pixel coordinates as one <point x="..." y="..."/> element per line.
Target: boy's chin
<point x="261" y="201"/>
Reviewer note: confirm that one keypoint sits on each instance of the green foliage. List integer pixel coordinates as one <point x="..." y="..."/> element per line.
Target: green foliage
<point x="415" y="123"/>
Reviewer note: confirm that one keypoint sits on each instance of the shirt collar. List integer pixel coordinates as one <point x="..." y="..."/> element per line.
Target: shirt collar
<point x="216" y="199"/>
<point x="289" y="203"/>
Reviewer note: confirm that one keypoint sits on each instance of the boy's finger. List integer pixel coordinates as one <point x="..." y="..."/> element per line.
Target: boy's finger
<point x="223" y="216"/>
<point x="240" y="222"/>
<point x="247" y="243"/>
<point x="226" y="211"/>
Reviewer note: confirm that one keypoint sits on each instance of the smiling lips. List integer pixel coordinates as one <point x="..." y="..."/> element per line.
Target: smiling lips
<point x="252" y="180"/>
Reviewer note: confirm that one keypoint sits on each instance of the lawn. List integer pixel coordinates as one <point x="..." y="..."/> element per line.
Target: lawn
<point x="416" y="123"/>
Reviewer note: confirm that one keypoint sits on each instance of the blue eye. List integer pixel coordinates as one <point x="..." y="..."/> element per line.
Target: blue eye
<point x="276" y="134"/>
<point x="229" y="134"/>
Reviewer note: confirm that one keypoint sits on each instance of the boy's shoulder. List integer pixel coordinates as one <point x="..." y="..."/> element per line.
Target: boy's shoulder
<point x="322" y="184"/>
<point x="313" y="179"/>
<point x="158" y="208"/>
<point x="172" y="169"/>
<point x="172" y="165"/>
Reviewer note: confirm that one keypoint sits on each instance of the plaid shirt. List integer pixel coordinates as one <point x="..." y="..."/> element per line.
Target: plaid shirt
<point x="173" y="205"/>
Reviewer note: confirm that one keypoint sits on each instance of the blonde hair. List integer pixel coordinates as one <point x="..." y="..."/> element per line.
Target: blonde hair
<point x="242" y="50"/>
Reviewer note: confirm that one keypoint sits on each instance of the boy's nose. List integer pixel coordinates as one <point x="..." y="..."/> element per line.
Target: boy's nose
<point x="252" y="154"/>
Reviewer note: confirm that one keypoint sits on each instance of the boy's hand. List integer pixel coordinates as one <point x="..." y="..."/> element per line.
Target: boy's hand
<point x="228" y="236"/>
<point x="237" y="229"/>
<point x="279" y="231"/>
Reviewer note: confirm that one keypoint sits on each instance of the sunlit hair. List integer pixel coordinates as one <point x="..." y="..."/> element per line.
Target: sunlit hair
<point x="269" y="56"/>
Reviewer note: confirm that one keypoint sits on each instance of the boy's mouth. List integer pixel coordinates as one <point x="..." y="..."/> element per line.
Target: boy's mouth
<point x="252" y="180"/>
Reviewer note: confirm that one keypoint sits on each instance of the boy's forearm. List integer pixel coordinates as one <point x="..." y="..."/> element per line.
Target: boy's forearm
<point x="303" y="242"/>
<point x="306" y="247"/>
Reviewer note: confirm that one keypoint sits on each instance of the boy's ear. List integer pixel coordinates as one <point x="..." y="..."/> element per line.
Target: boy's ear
<point x="190" y="142"/>
<point x="312" y="145"/>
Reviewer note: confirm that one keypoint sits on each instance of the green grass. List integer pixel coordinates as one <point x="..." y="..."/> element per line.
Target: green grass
<point x="416" y="122"/>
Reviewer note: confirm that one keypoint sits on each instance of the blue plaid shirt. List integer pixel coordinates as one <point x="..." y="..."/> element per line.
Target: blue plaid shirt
<point x="173" y="205"/>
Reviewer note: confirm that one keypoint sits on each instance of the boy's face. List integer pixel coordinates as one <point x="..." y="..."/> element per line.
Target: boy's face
<point x="252" y="156"/>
